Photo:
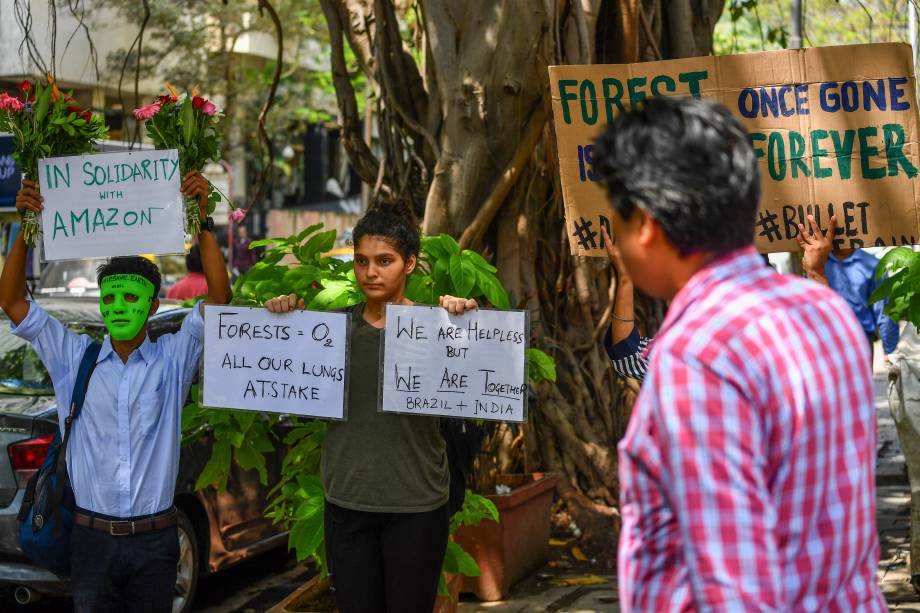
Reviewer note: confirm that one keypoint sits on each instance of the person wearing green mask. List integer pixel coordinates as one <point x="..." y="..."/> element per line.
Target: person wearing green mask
<point x="123" y="457"/>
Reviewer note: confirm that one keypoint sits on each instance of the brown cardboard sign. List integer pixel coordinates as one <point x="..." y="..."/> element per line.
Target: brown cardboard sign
<point x="834" y="130"/>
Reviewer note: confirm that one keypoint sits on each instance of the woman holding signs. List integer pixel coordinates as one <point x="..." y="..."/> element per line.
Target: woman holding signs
<point x="385" y="475"/>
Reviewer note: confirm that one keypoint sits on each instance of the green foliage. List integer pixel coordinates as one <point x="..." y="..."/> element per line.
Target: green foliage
<point x="755" y="25"/>
<point x="298" y="264"/>
<point x="475" y="509"/>
<point x="902" y="287"/>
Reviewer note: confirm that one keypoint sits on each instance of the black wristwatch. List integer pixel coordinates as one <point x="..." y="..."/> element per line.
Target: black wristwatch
<point x="207" y="224"/>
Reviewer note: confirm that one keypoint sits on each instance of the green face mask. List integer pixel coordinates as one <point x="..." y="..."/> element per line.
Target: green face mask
<point x="124" y="301"/>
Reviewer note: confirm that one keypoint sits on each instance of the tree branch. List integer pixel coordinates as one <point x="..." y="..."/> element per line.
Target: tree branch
<point x="486" y="213"/>
<point x="363" y="160"/>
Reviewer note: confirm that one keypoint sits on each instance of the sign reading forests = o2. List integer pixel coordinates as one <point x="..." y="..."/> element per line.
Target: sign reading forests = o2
<point x="468" y="366"/>
<point x="291" y="363"/>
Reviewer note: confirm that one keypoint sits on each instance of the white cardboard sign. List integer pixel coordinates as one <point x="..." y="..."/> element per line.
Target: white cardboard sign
<point x="110" y="204"/>
<point x="467" y="366"/>
<point x="279" y="363"/>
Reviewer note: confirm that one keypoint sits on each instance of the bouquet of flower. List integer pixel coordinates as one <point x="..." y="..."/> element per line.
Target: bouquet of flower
<point x="188" y="124"/>
<point x="46" y="122"/>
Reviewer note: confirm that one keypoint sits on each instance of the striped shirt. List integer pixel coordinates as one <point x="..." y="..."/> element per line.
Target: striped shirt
<point x="628" y="355"/>
<point x="747" y="472"/>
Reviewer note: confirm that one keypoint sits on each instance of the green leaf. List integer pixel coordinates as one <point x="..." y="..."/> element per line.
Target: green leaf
<point x="456" y="560"/>
<point x="469" y="273"/>
<point x="318" y="244"/>
<point x="216" y="470"/>
<point x="479" y="261"/>
<point x="308" y="231"/>
<point x="431" y="245"/>
<point x="885" y="288"/>
<point x="268" y="241"/>
<point x="187" y="119"/>
<point x="540" y="366"/>
<point x="450" y="245"/>
<point x="442" y="586"/>
<point x="895" y="260"/>
<point x="492" y="289"/>
<point x="455" y="267"/>
<point x="306" y="536"/>
<point x="42" y="100"/>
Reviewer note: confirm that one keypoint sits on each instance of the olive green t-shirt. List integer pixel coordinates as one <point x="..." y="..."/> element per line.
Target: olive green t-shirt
<point x="381" y="462"/>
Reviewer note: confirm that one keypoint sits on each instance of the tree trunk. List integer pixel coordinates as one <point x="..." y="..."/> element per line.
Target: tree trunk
<point x="466" y="133"/>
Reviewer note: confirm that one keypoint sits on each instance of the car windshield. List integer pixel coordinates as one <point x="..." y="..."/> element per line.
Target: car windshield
<point x="21" y="370"/>
<point x="76" y="277"/>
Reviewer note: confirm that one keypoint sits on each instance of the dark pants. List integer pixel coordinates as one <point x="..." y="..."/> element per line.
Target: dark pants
<point x="135" y="573"/>
<point x="385" y="562"/>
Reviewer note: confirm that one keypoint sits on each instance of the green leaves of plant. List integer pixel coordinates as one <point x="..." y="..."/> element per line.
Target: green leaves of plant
<point x="187" y="121"/>
<point x="902" y="285"/>
<point x="540" y="367"/>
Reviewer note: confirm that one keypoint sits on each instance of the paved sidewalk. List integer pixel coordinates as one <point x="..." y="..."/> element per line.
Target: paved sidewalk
<point x="538" y="594"/>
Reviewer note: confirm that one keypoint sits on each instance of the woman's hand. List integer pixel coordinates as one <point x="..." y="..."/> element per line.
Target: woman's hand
<point x="284" y="304"/>
<point x="458" y="306"/>
<point x="28" y="198"/>
<point x="816" y="245"/>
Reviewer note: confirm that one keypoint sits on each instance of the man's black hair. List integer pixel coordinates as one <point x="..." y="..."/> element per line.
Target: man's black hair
<point x="193" y="259"/>
<point x="393" y="222"/>
<point x="133" y="265"/>
<point x="688" y="163"/>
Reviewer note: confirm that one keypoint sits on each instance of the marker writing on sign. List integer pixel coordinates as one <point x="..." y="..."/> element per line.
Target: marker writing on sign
<point x="100" y="219"/>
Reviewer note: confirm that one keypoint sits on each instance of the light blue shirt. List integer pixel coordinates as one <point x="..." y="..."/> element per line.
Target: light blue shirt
<point x="123" y="455"/>
<point x="854" y="279"/>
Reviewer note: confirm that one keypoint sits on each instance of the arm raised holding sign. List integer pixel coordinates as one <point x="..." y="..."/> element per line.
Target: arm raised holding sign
<point x="212" y="260"/>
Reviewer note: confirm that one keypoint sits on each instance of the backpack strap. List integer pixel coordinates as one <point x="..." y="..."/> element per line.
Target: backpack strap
<point x="81" y="383"/>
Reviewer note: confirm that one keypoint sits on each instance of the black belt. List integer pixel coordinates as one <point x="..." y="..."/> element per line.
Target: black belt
<point x="127" y="527"/>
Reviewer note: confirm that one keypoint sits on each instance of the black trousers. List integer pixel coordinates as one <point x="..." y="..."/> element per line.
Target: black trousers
<point x="385" y="562"/>
<point x="115" y="574"/>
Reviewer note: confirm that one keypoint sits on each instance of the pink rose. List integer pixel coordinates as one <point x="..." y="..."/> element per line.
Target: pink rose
<point x="208" y="108"/>
<point x="147" y="112"/>
<point x="238" y="215"/>
<point x="9" y="103"/>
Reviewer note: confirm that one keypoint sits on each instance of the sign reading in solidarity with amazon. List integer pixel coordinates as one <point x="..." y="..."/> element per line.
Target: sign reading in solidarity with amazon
<point x="109" y="204"/>
<point x="834" y="130"/>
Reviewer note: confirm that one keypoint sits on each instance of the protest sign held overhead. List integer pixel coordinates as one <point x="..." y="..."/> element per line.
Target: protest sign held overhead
<point x="112" y="204"/>
<point x="292" y="363"/>
<point x="466" y="366"/>
<point x="834" y="130"/>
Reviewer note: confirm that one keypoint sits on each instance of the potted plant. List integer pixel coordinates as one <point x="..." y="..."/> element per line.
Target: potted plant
<point x="508" y="551"/>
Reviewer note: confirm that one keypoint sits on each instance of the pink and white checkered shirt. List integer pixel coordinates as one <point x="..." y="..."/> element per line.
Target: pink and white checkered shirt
<point x="747" y="473"/>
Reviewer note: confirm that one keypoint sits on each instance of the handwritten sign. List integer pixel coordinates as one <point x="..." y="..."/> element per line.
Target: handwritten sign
<point x="834" y="130"/>
<point x="111" y="204"/>
<point x="292" y="363"/>
<point x="468" y="366"/>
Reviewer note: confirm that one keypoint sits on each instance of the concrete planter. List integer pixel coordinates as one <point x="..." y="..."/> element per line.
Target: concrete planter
<point x="510" y="550"/>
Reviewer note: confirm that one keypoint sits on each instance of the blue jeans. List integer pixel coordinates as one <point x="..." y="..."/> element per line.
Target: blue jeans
<point x="115" y="574"/>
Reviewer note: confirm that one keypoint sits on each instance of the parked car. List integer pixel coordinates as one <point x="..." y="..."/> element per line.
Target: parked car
<point x="216" y="529"/>
<point x="78" y="277"/>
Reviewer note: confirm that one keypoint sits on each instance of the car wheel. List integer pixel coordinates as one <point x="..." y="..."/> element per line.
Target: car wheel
<point x="187" y="568"/>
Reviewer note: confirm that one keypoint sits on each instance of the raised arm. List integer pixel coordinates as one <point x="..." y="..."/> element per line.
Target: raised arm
<point x="816" y="245"/>
<point x="212" y="260"/>
<point x="13" y="279"/>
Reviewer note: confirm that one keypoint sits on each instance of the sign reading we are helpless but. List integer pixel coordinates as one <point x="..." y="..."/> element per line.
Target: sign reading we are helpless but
<point x="112" y="204"/>
<point x="468" y="366"/>
<point x="834" y="130"/>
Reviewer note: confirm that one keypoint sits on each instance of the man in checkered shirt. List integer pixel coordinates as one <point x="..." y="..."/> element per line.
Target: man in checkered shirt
<point x="747" y="472"/>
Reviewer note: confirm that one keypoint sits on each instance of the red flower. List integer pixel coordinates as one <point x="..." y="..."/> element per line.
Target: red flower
<point x="73" y="109"/>
<point x="88" y="116"/>
<point x="25" y="86"/>
<point x="164" y="100"/>
<point x="198" y="102"/>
